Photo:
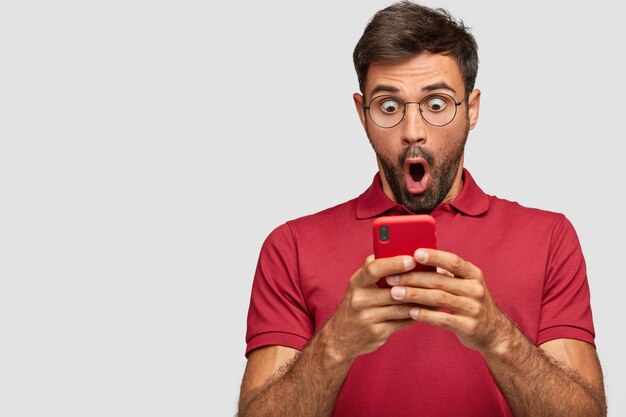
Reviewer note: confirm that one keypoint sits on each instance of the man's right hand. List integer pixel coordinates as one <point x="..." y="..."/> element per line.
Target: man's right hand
<point x="279" y="381"/>
<point x="367" y="315"/>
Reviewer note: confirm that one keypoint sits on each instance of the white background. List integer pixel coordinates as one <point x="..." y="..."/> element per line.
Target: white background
<point x="148" y="147"/>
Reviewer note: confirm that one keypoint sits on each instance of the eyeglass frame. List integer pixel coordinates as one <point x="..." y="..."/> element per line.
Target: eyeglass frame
<point x="419" y="107"/>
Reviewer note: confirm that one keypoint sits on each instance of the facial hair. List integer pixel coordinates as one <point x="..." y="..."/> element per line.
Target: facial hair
<point x="442" y="174"/>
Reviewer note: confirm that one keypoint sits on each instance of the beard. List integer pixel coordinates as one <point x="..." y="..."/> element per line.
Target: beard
<point x="442" y="174"/>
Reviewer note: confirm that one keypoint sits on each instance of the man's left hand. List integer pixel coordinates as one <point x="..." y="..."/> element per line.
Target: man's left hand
<point x="455" y="298"/>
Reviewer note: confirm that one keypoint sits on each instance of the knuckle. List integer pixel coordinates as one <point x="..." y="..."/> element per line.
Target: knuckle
<point x="357" y="301"/>
<point x="364" y="317"/>
<point x="440" y="298"/>
<point x="371" y="269"/>
<point x="380" y="333"/>
<point x="477" y="290"/>
<point x="388" y="314"/>
<point x="456" y="262"/>
<point x="472" y="327"/>
<point x="480" y="292"/>
<point x="376" y="333"/>
<point x="397" y="312"/>
<point x="446" y="321"/>
<point x="434" y="283"/>
<point x="475" y="310"/>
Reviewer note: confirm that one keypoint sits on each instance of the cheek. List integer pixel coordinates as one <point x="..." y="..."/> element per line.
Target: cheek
<point x="454" y="137"/>
<point x="383" y="142"/>
<point x="445" y="145"/>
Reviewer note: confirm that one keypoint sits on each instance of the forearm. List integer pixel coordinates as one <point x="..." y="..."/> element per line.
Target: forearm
<point x="308" y="387"/>
<point x="536" y="385"/>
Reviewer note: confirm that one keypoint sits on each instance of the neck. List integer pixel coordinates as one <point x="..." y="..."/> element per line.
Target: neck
<point x="457" y="185"/>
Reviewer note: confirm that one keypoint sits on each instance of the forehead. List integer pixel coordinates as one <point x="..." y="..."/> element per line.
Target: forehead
<point x="417" y="74"/>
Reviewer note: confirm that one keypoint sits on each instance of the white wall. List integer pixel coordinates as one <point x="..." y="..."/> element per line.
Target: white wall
<point x="148" y="147"/>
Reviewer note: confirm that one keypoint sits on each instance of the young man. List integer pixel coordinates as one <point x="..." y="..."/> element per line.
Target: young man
<point x="503" y="328"/>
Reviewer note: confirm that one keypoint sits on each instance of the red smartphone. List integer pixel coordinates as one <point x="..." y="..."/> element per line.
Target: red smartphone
<point x="403" y="235"/>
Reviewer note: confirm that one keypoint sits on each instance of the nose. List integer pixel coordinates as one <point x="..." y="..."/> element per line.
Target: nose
<point x="413" y="126"/>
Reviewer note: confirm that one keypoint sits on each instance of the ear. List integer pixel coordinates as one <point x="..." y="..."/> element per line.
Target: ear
<point x="473" y="107"/>
<point x="358" y="103"/>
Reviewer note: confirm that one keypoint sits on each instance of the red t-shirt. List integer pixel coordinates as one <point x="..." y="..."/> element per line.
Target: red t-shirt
<point x="531" y="260"/>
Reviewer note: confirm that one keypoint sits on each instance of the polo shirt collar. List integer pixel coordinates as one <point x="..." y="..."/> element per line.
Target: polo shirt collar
<point x="471" y="201"/>
<point x="374" y="202"/>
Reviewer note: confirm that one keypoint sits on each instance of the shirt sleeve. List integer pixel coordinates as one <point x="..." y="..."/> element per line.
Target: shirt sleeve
<point x="278" y="314"/>
<point x="566" y="309"/>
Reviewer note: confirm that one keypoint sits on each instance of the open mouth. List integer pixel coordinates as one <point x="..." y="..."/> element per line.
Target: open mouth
<point x="416" y="175"/>
<point x="417" y="171"/>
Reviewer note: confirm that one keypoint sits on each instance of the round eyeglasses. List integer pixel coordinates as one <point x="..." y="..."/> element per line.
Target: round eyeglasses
<point x="436" y="109"/>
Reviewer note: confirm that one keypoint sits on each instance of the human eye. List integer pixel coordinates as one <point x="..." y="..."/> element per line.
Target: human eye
<point x="389" y="105"/>
<point x="436" y="103"/>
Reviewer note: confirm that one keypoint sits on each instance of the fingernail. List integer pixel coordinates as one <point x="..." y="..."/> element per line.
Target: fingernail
<point x="409" y="262"/>
<point x="393" y="279"/>
<point x="421" y="255"/>
<point x="398" y="292"/>
<point x="414" y="312"/>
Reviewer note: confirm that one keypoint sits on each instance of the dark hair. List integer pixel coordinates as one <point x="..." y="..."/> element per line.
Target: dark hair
<point x="405" y="29"/>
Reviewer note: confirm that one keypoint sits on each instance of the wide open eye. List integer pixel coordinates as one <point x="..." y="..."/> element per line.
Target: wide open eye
<point x="389" y="105"/>
<point x="436" y="103"/>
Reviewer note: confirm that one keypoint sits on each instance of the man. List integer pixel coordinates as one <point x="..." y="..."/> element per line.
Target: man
<point x="502" y="328"/>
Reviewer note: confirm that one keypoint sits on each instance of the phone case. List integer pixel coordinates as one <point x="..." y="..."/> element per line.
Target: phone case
<point x="403" y="235"/>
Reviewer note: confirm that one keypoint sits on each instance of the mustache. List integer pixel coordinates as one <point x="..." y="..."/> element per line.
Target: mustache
<point x="416" y="151"/>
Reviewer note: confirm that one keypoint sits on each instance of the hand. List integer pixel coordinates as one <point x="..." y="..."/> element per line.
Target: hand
<point x="367" y="315"/>
<point x="458" y="298"/>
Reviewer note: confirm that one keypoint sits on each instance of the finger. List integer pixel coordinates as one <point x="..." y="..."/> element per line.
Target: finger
<point x="391" y="313"/>
<point x="374" y="269"/>
<point x="443" y="320"/>
<point x="432" y="280"/>
<point x="390" y="327"/>
<point x="437" y="299"/>
<point x="450" y="262"/>
<point x="366" y="298"/>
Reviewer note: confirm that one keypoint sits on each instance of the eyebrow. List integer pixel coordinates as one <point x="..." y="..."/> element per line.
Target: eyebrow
<point x="386" y="88"/>
<point x="438" y="86"/>
<point x="431" y="87"/>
